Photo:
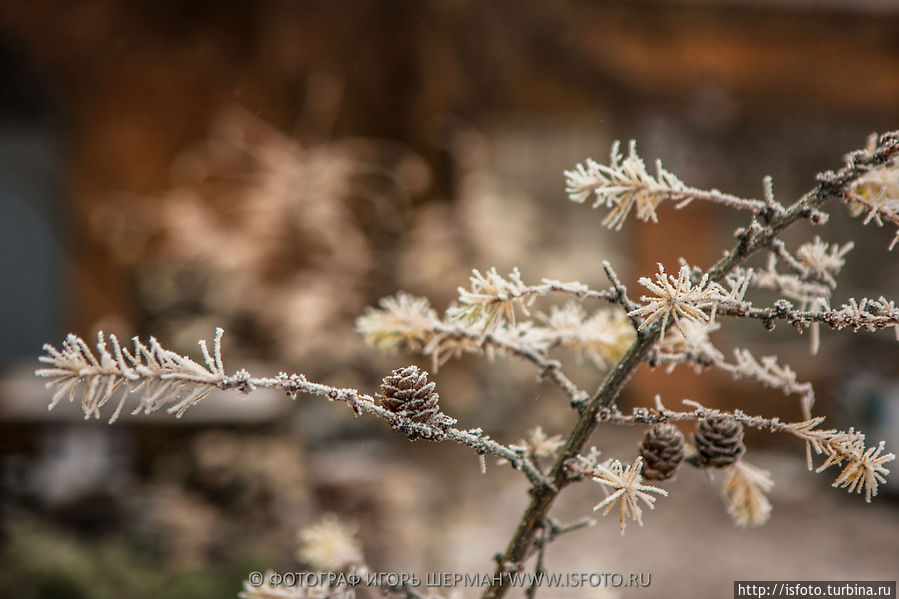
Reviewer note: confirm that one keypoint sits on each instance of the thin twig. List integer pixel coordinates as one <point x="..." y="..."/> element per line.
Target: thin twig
<point x="779" y="248"/>
<point x="550" y="369"/>
<point x="552" y="530"/>
<point x="864" y="314"/>
<point x="621" y="294"/>
<point x="365" y="404"/>
<point x="539" y="569"/>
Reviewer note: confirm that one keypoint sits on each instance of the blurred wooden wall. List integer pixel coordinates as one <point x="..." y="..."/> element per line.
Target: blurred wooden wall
<point x="709" y="87"/>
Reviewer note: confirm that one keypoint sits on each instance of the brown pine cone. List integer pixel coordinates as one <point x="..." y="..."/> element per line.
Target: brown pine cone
<point x="663" y="451"/>
<point x="407" y="392"/>
<point x="719" y="441"/>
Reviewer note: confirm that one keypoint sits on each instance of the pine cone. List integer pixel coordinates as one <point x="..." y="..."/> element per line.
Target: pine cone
<point x="663" y="451"/>
<point x="408" y="393"/>
<point x="719" y="441"/>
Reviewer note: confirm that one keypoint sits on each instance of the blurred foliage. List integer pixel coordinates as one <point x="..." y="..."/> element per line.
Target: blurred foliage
<point x="41" y="562"/>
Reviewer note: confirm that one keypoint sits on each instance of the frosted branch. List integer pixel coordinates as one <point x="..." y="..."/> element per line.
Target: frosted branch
<point x="766" y="370"/>
<point x="792" y="286"/>
<point x="775" y="208"/>
<point x="625" y="184"/>
<point x="877" y="194"/>
<point x="771" y="374"/>
<point x="165" y="378"/>
<point x="676" y="298"/>
<point x="409" y="322"/>
<point x="487" y="321"/>
<point x="859" y="315"/>
<point x="493" y="300"/>
<point x="176" y="382"/>
<point x="862" y="467"/>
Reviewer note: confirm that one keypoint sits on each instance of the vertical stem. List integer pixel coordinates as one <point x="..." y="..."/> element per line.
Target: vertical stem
<point x="539" y="569"/>
<point x="542" y="497"/>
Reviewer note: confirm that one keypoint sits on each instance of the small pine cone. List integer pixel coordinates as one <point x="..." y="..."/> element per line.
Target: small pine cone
<point x="407" y="392"/>
<point x="663" y="451"/>
<point x="719" y="441"/>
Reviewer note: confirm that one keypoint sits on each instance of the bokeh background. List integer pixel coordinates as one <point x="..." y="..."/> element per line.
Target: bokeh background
<point x="275" y="167"/>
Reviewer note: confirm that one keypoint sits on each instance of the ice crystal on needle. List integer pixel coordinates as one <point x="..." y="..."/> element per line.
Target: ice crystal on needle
<point x="491" y="299"/>
<point x="626" y="484"/>
<point x="677" y="298"/>
<point x="864" y="469"/>
<point x="164" y="376"/>
<point x="623" y="185"/>
<point x="824" y="259"/>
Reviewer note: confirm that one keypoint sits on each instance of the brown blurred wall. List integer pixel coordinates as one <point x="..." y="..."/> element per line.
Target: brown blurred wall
<point x="138" y="81"/>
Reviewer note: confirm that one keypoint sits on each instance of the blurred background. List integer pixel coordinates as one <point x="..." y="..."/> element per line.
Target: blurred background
<point x="275" y="167"/>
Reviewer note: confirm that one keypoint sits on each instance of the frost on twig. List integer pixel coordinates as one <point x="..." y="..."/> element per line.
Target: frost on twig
<point x="811" y="284"/>
<point x="877" y="194"/>
<point x="484" y="322"/>
<point x="859" y="315"/>
<point x="488" y="320"/>
<point x="624" y="485"/>
<point x="771" y="374"/>
<point x="789" y="285"/>
<point x="866" y="314"/>
<point x="492" y="299"/>
<point x="625" y="184"/>
<point x="864" y="466"/>
<point x="165" y="377"/>
<point x="823" y="260"/>
<point x="676" y="298"/>
<point x="169" y="379"/>
<point x="404" y="321"/>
